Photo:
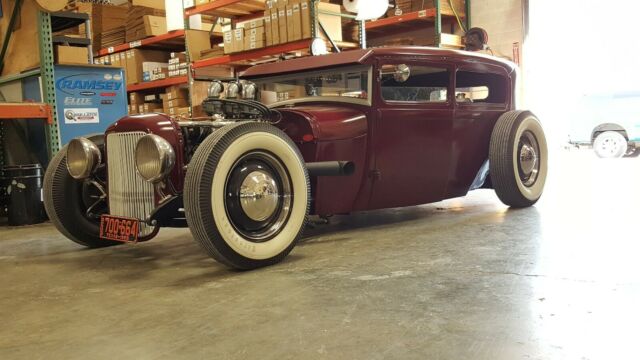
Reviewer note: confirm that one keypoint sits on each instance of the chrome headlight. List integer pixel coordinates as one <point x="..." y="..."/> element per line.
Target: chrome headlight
<point x="155" y="157"/>
<point x="83" y="157"/>
<point x="234" y="88"/>
<point x="216" y="88"/>
<point x="249" y="91"/>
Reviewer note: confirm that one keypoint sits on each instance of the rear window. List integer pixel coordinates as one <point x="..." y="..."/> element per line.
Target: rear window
<point x="476" y="87"/>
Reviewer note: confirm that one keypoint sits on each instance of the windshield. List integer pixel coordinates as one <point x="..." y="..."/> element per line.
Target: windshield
<point x="339" y="84"/>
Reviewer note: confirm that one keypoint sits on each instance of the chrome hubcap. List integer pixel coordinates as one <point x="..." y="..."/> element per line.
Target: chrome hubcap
<point x="528" y="158"/>
<point x="259" y="195"/>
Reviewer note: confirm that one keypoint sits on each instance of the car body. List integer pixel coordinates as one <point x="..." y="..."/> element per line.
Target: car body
<point x="374" y="128"/>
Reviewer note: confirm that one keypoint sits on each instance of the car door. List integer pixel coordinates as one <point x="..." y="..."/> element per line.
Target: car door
<point x="483" y="94"/>
<point x="411" y="133"/>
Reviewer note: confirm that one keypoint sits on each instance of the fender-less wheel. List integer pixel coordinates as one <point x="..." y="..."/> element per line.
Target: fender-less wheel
<point x="74" y="206"/>
<point x="610" y="145"/>
<point x="246" y="195"/>
<point x="518" y="158"/>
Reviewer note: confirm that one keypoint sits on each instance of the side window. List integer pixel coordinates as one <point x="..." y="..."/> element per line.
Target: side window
<point x="413" y="83"/>
<point x="477" y="87"/>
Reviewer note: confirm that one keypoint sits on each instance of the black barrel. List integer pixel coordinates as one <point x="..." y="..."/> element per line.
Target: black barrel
<point x="23" y="188"/>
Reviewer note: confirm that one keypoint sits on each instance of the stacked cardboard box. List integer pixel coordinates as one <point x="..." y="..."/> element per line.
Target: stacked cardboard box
<point x="176" y="101"/>
<point x="138" y="61"/>
<point x="290" y="20"/>
<point x="111" y="37"/>
<point x="144" y="104"/>
<point x="178" y="65"/>
<point x="283" y="21"/>
<point x="143" y="22"/>
<point x="104" y="18"/>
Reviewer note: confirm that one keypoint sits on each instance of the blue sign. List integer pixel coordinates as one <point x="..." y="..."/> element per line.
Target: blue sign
<point x="89" y="99"/>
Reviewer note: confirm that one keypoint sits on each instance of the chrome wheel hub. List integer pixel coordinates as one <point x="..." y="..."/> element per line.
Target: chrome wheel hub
<point x="528" y="158"/>
<point x="259" y="195"/>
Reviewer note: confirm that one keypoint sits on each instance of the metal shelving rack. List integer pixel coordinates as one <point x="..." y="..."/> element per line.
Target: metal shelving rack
<point x="433" y="15"/>
<point x="46" y="23"/>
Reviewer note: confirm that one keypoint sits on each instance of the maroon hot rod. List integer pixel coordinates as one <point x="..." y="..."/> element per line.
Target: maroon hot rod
<point x="333" y="134"/>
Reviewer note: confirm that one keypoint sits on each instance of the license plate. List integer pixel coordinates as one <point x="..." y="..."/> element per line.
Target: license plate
<point x="119" y="228"/>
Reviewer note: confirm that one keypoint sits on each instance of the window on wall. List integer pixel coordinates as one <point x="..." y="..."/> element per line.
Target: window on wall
<point x="425" y="84"/>
<point x="477" y="87"/>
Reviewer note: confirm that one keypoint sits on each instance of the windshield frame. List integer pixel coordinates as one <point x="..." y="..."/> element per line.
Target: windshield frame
<point x="343" y="69"/>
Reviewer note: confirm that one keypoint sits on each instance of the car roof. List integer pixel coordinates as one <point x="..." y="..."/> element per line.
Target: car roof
<point x="362" y="56"/>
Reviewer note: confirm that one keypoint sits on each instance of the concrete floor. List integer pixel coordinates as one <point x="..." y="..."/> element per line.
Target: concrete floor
<point x="461" y="279"/>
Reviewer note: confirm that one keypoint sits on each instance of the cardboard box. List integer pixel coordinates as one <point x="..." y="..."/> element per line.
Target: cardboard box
<point x="305" y="18"/>
<point x="254" y="33"/>
<point x="155" y="25"/>
<point x="332" y="24"/>
<point x="177" y="103"/>
<point x="176" y="92"/>
<point x="135" y="59"/>
<point x="179" y="111"/>
<point x="136" y="98"/>
<point x="275" y="27"/>
<point x="198" y="41"/>
<point x="202" y="2"/>
<point x="238" y="40"/>
<point x="152" y="107"/>
<point x="297" y="21"/>
<point x="291" y="23"/>
<point x="155" y="4"/>
<point x="282" y="23"/>
<point x="228" y="42"/>
<point x="72" y="55"/>
<point x="267" y="28"/>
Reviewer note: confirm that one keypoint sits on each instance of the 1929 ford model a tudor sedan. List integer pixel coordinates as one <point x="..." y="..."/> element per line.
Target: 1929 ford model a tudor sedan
<point x="333" y="134"/>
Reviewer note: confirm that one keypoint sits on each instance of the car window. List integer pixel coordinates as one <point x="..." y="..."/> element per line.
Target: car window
<point x="425" y="84"/>
<point x="477" y="87"/>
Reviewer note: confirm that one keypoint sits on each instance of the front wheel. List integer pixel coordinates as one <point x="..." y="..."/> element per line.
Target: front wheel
<point x="246" y="195"/>
<point x="74" y="206"/>
<point x="518" y="158"/>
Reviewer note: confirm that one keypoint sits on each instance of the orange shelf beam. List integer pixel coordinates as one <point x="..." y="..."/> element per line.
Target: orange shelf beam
<point x="426" y="15"/>
<point x="157" y="84"/>
<point x="9" y="111"/>
<point x="141" y="43"/>
<point x="253" y="54"/>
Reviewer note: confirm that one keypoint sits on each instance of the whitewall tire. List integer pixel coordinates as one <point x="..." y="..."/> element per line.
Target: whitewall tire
<point x="246" y="195"/>
<point x="518" y="158"/>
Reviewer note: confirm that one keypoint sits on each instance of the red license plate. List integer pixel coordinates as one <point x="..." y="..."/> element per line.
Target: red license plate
<point x="119" y="228"/>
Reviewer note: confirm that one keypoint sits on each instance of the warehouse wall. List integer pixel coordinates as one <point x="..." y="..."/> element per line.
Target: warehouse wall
<point x="503" y="20"/>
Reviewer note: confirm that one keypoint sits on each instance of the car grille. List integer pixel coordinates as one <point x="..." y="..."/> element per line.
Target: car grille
<point x="129" y="194"/>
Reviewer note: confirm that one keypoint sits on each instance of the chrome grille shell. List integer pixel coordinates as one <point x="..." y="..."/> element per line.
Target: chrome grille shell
<point x="129" y="194"/>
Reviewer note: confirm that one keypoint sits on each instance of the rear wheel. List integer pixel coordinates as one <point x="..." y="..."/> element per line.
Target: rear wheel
<point x="74" y="206"/>
<point x="610" y="145"/>
<point x="518" y="158"/>
<point x="246" y="195"/>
